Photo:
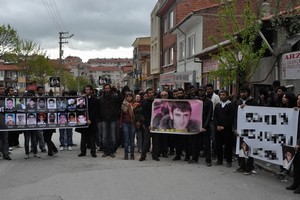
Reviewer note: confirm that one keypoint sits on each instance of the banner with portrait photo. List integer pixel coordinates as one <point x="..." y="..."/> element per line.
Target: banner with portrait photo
<point x="266" y="130"/>
<point x="172" y="116"/>
<point x="24" y="113"/>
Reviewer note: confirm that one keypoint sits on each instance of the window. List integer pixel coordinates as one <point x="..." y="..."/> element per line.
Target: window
<point x="171" y="19"/>
<point x="181" y="50"/>
<point x="191" y="48"/>
<point x="166" y="61"/>
<point x="171" y="53"/>
<point x="165" y="25"/>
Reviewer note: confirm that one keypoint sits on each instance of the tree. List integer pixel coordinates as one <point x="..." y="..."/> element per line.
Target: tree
<point x="40" y="68"/>
<point x="8" y="39"/>
<point x="26" y="50"/>
<point x="239" y="60"/>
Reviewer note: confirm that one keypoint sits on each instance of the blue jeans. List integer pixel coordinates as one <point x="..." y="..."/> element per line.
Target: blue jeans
<point x="129" y="134"/>
<point x="109" y="136"/>
<point x="65" y="137"/>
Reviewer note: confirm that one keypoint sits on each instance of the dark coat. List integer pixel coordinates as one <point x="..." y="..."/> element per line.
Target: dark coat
<point x="224" y="116"/>
<point x="109" y="107"/>
<point x="207" y="112"/>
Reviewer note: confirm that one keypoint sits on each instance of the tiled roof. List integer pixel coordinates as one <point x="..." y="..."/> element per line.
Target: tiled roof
<point x="111" y="69"/>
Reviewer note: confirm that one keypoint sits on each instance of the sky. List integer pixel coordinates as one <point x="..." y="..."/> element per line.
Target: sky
<point x="101" y="28"/>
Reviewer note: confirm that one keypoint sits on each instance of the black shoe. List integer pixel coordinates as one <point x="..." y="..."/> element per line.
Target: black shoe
<point x="94" y="155"/>
<point x="208" y="164"/>
<point x="193" y="161"/>
<point x="104" y="155"/>
<point x="297" y="190"/>
<point x="165" y="155"/>
<point x="294" y="186"/>
<point x="81" y="154"/>
<point x="112" y="155"/>
<point x="155" y="158"/>
<point x="177" y="158"/>
<point x="43" y="151"/>
<point x="240" y="169"/>
<point x="126" y="157"/>
<point x="187" y="158"/>
<point x="7" y="158"/>
<point x="228" y="164"/>
<point x="142" y="159"/>
<point x="218" y="163"/>
<point x="171" y="153"/>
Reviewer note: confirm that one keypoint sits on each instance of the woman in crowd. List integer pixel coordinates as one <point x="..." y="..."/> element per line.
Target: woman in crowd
<point x="128" y="124"/>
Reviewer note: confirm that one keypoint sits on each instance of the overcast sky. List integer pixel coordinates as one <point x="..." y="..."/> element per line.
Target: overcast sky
<point x="101" y="28"/>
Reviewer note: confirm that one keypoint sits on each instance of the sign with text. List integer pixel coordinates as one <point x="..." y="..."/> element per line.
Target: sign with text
<point x="290" y="65"/>
<point x="265" y="130"/>
<point x="23" y="113"/>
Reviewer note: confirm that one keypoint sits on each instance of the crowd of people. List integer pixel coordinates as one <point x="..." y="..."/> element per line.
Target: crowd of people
<point x="119" y="118"/>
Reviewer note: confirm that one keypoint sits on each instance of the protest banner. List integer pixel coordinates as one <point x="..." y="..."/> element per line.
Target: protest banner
<point x="176" y="116"/>
<point x="24" y="113"/>
<point x="265" y="130"/>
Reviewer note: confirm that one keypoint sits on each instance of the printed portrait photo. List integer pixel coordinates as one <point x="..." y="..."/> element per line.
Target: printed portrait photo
<point x="288" y="153"/>
<point x="51" y="103"/>
<point x="21" y="119"/>
<point x="10" y="119"/>
<point x="81" y="103"/>
<point x="51" y="118"/>
<point x="9" y="103"/>
<point x="20" y="103"/>
<point x="61" y="103"/>
<point x="62" y="118"/>
<point x="41" y="104"/>
<point x="176" y="116"/>
<point x="31" y="119"/>
<point x="31" y="104"/>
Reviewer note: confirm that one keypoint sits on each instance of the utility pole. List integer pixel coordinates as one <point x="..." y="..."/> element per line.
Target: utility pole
<point x="62" y="40"/>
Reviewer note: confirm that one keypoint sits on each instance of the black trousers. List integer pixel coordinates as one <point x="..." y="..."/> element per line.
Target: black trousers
<point x="163" y="144"/>
<point x="196" y="141"/>
<point x="296" y="163"/>
<point x="147" y="144"/>
<point x="48" y="140"/>
<point x="182" y="143"/>
<point x="247" y="164"/>
<point x="224" y="145"/>
<point x="88" y="136"/>
<point x="4" y="143"/>
<point x="13" y="138"/>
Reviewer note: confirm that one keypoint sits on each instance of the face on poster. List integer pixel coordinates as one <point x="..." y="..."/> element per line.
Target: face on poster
<point x="31" y="104"/>
<point x="10" y="119"/>
<point x="62" y="118"/>
<point x="21" y="119"/>
<point x="51" y="103"/>
<point x="51" y="118"/>
<point x="31" y="119"/>
<point x="176" y="116"/>
<point x="9" y="103"/>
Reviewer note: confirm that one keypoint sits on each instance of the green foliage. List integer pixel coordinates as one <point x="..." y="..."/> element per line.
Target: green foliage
<point x="40" y="68"/>
<point x="71" y="82"/>
<point x="8" y="39"/>
<point x="238" y="60"/>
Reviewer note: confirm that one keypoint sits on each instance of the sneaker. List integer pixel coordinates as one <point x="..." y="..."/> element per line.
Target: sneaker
<point x="44" y="151"/>
<point x="94" y="155"/>
<point x="239" y="169"/>
<point x="61" y="148"/>
<point x="10" y="148"/>
<point x="208" y="164"/>
<point x="36" y="156"/>
<point x="26" y="156"/>
<point x="69" y="148"/>
<point x="112" y="155"/>
<point x="228" y="164"/>
<point x="155" y="158"/>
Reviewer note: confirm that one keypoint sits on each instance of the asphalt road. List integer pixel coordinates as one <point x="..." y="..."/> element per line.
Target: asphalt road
<point x="69" y="177"/>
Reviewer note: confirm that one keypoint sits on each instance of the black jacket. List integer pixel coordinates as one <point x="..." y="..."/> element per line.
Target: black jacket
<point x="224" y="116"/>
<point x="147" y="111"/>
<point x="207" y="112"/>
<point x="109" y="107"/>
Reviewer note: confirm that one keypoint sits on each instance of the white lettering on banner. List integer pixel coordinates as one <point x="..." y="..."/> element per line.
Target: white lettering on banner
<point x="266" y="129"/>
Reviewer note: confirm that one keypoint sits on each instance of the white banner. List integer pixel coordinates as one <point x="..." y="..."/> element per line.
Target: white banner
<point x="265" y="130"/>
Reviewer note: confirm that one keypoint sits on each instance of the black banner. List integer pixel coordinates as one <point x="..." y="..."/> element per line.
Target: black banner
<point x="23" y="113"/>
